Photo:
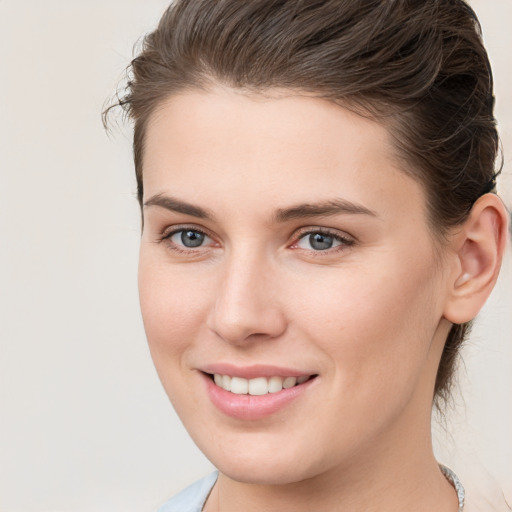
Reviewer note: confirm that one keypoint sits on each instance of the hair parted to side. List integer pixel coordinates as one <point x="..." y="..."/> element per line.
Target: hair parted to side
<point x="417" y="66"/>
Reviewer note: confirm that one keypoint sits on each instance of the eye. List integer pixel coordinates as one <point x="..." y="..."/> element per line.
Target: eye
<point x="322" y="241"/>
<point x="189" y="238"/>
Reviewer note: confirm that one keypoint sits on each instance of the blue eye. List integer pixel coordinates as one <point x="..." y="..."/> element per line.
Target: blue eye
<point x="318" y="241"/>
<point x="190" y="238"/>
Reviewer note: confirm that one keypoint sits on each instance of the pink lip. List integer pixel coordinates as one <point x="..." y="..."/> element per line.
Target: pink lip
<point x="253" y="371"/>
<point x="248" y="407"/>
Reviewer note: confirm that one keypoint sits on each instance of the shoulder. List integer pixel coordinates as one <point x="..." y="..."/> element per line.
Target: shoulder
<point x="192" y="498"/>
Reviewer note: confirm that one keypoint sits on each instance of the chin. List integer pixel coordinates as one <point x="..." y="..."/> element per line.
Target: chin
<point x="263" y="461"/>
<point x="270" y="472"/>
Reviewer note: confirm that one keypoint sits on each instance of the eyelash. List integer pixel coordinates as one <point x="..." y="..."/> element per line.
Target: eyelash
<point x="344" y="241"/>
<point x="167" y="235"/>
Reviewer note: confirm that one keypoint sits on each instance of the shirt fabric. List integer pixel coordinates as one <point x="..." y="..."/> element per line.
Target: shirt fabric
<point x="193" y="498"/>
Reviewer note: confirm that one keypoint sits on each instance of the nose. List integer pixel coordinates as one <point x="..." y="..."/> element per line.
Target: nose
<point x="246" y="305"/>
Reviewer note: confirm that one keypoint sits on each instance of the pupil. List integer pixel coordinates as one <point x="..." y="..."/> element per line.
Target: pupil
<point x="320" y="242"/>
<point x="192" y="238"/>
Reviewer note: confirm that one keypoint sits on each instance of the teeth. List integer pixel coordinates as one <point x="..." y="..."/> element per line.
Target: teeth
<point x="257" y="386"/>
<point x="289" y="382"/>
<point x="226" y="382"/>
<point x="275" y="384"/>
<point x="239" y="386"/>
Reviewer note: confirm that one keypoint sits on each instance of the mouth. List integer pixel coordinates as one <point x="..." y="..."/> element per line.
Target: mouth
<point x="257" y="386"/>
<point x="256" y="392"/>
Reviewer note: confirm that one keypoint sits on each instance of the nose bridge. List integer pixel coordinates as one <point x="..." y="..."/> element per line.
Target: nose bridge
<point x="245" y="304"/>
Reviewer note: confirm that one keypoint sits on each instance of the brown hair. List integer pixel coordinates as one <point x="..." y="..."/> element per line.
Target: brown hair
<point x="417" y="66"/>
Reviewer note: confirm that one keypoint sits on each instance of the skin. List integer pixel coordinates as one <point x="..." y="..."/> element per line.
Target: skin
<point x="369" y="316"/>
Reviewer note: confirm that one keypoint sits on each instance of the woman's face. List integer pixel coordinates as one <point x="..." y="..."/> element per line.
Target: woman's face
<point x="282" y="241"/>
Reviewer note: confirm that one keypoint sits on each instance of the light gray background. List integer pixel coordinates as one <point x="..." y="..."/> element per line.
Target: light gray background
<point x="84" y="423"/>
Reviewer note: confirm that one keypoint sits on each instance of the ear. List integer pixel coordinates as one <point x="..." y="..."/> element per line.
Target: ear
<point x="479" y="248"/>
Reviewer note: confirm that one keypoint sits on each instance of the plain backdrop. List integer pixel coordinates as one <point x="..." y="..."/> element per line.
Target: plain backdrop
<point x="84" y="423"/>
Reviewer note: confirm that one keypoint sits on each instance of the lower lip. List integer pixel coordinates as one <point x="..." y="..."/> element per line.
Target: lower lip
<point x="253" y="407"/>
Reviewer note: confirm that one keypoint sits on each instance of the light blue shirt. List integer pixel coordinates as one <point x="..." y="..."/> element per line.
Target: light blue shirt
<point x="193" y="498"/>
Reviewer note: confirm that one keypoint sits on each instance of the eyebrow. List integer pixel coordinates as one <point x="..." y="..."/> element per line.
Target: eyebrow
<point x="303" y="210"/>
<point x="175" y="205"/>
<point x="332" y="207"/>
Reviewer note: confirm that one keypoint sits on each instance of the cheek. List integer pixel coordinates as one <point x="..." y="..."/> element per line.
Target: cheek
<point x="375" y="323"/>
<point x="172" y="304"/>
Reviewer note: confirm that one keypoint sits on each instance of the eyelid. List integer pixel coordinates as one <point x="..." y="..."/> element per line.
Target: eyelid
<point x="176" y="228"/>
<point x="345" y="239"/>
<point x="170" y="231"/>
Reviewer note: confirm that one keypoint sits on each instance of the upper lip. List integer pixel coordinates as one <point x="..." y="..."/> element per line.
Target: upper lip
<point x="253" y="371"/>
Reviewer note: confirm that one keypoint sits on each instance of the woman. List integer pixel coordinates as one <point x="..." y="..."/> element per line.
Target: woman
<point x="319" y="229"/>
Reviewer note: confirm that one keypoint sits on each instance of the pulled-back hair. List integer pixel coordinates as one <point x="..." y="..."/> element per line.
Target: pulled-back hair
<point x="417" y="66"/>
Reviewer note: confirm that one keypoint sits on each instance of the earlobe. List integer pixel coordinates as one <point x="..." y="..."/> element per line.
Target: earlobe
<point x="479" y="248"/>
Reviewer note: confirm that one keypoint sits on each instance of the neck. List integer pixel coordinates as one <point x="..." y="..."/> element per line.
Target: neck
<point x="411" y="485"/>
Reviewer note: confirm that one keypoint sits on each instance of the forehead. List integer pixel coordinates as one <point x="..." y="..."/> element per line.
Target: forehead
<point x="252" y="149"/>
<point x="273" y="118"/>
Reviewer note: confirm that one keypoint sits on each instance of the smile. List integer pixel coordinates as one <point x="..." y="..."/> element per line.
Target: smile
<point x="259" y="385"/>
<point x="254" y="397"/>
